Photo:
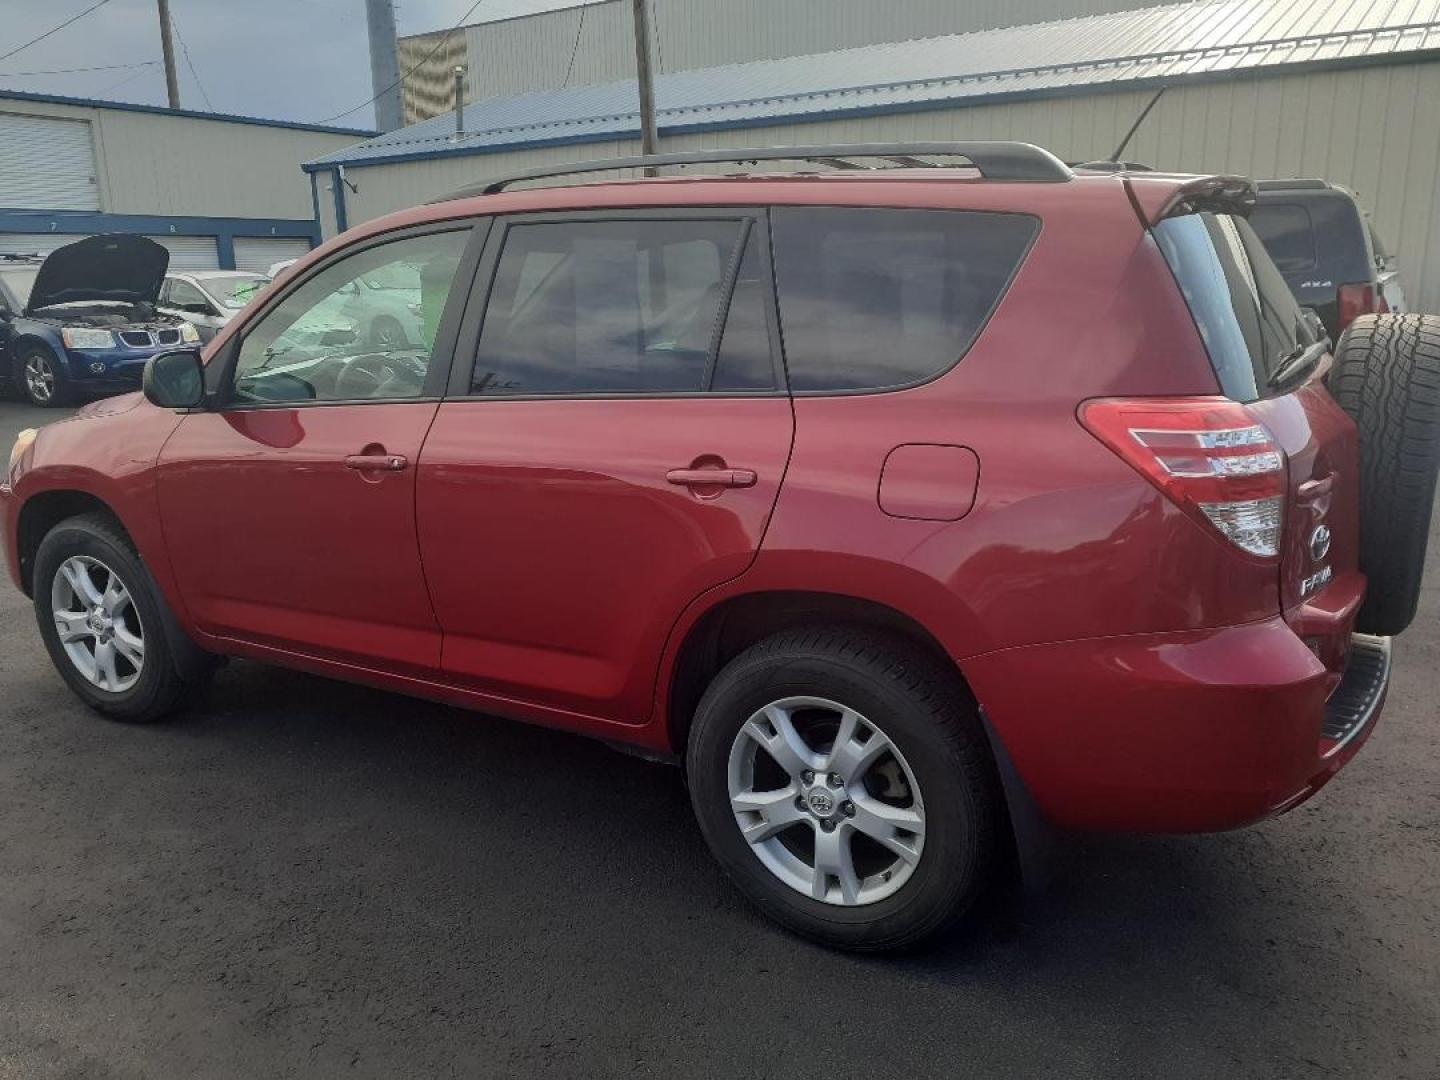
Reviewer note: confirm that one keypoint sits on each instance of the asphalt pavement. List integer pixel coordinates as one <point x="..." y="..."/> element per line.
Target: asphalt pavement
<point x="301" y="878"/>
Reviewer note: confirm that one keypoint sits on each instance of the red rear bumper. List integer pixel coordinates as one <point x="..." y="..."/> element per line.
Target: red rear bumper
<point x="1185" y="732"/>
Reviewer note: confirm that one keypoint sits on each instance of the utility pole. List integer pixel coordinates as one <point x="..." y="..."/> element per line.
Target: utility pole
<point x="648" y="138"/>
<point x="384" y="64"/>
<point x="167" y="51"/>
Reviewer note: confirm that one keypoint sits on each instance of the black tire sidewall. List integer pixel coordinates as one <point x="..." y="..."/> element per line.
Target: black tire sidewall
<point x="958" y="819"/>
<point x="156" y="688"/>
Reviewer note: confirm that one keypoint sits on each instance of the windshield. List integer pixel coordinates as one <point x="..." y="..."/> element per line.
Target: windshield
<point x="235" y="292"/>
<point x="19" y="283"/>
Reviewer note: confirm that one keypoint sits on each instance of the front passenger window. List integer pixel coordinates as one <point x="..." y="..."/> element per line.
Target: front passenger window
<point x="361" y="329"/>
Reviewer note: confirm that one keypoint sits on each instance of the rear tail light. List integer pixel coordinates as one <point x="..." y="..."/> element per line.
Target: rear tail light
<point x="1356" y="300"/>
<point x="1208" y="454"/>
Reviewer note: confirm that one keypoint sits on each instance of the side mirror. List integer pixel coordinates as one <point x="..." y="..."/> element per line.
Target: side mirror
<point x="175" y="380"/>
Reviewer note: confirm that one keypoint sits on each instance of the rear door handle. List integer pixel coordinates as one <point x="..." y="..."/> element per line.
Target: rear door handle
<point x="376" y="462"/>
<point x="735" y="478"/>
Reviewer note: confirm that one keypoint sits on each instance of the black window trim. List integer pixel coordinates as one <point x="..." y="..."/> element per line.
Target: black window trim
<point x="754" y="224"/>
<point x="220" y="370"/>
<point x="893" y="388"/>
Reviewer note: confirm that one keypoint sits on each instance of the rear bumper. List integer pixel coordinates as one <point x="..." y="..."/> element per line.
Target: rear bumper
<point x="1186" y="732"/>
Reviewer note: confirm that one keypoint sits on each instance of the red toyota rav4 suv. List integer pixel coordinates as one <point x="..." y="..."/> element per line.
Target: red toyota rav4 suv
<point x="899" y="503"/>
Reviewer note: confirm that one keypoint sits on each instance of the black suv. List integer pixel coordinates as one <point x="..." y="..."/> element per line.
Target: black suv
<point x="1327" y="249"/>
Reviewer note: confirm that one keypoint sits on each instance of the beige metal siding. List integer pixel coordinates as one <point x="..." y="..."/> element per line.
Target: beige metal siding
<point x="1376" y="130"/>
<point x="533" y="53"/>
<point x="153" y="163"/>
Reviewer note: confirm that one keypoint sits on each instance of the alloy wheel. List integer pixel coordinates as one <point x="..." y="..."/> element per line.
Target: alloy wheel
<point x="826" y="801"/>
<point x="39" y="377"/>
<point x="97" y="623"/>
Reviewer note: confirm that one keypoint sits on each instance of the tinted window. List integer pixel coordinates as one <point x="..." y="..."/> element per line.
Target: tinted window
<point x="877" y="298"/>
<point x="336" y="339"/>
<point x="1245" y="312"/>
<point x="1287" y="232"/>
<point x="605" y="307"/>
<point x="744" y="361"/>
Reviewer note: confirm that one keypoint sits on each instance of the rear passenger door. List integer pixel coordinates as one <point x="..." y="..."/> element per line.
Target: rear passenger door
<point x="613" y="442"/>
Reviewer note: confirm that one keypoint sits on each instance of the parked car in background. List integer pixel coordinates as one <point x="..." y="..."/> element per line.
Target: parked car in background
<point x="1327" y="249"/>
<point x="84" y="319"/>
<point x="209" y="298"/>
<point x="980" y="543"/>
<point x="277" y="267"/>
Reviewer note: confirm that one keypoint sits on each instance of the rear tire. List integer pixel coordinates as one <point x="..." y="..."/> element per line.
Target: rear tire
<point x="1387" y="377"/>
<point x="121" y="651"/>
<point x="913" y="831"/>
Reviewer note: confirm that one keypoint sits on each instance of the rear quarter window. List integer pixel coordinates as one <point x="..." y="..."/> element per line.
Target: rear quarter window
<point x="874" y="299"/>
<point x="1247" y="316"/>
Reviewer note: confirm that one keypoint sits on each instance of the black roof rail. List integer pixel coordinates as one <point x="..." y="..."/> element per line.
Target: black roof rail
<point x="994" y="160"/>
<point x="1112" y="166"/>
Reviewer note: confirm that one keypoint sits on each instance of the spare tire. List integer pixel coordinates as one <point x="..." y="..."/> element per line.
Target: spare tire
<point x="1387" y="377"/>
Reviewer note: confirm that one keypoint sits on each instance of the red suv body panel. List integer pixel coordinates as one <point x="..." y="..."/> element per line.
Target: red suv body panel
<point x="535" y="560"/>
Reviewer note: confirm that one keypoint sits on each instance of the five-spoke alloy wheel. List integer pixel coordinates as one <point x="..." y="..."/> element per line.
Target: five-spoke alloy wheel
<point x="97" y="623"/>
<point x="842" y="778"/>
<point x="826" y="800"/>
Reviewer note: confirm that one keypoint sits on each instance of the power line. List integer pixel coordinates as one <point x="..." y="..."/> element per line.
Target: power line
<point x="54" y="29"/>
<point x="574" y="48"/>
<point x="185" y="49"/>
<point x="418" y="64"/>
<point x="76" y="71"/>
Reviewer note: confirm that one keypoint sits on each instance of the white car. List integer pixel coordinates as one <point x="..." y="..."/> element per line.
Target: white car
<point x="209" y="298"/>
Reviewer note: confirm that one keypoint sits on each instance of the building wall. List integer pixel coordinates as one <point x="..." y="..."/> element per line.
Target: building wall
<point x="1375" y="129"/>
<point x="516" y="56"/>
<point x="153" y="163"/>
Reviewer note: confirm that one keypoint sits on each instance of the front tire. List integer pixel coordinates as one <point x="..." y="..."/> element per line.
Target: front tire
<point x="843" y="781"/>
<point x="105" y="624"/>
<point x="41" y="378"/>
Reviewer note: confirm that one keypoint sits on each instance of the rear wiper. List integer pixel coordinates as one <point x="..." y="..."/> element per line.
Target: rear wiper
<point x="1301" y="358"/>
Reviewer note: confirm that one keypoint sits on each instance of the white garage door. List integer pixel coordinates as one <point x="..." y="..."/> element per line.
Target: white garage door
<point x="257" y="254"/>
<point x="34" y="243"/>
<point x="190" y="252"/>
<point x="47" y="164"/>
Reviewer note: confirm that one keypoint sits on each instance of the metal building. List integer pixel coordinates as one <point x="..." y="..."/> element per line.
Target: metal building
<point x="73" y="167"/>
<point x="520" y="46"/>
<point x="1348" y="90"/>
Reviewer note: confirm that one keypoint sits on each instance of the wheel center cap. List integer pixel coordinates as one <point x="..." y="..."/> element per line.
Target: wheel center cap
<point x="822" y="802"/>
<point x="98" y="623"/>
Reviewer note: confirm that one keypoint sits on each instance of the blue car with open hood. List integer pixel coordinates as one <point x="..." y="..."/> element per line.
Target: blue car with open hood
<point x="83" y="321"/>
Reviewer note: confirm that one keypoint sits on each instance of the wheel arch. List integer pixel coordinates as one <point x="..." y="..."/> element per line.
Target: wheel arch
<point x="44" y="510"/>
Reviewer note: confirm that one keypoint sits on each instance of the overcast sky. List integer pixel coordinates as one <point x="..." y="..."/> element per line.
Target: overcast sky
<point x="283" y="59"/>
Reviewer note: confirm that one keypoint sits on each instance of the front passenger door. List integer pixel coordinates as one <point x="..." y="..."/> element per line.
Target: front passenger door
<point x="289" y="508"/>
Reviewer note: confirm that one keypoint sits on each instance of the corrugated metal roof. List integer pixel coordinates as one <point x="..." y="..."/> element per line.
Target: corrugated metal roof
<point x="1174" y="40"/>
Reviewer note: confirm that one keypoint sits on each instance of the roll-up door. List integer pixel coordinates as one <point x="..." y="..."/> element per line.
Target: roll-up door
<point x="47" y="164"/>
<point x="34" y="243"/>
<point x="190" y="252"/>
<point x="258" y="253"/>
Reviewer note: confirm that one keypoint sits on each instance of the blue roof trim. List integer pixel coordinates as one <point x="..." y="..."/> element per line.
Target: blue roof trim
<point x="193" y="114"/>
<point x="889" y="109"/>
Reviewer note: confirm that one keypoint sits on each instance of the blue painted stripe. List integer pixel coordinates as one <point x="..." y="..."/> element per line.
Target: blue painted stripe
<point x="194" y="114"/>
<point x="224" y="230"/>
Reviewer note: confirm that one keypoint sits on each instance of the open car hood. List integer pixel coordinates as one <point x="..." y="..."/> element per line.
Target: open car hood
<point x="117" y="267"/>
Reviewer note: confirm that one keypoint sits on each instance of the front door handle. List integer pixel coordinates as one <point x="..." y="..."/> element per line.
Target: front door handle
<point x="377" y="462"/>
<point x="735" y="478"/>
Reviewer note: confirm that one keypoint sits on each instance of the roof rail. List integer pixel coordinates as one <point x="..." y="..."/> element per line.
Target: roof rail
<point x="994" y="161"/>
<point x="1292" y="185"/>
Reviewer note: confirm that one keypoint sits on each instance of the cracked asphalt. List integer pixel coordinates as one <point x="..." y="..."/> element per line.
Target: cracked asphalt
<point x="300" y="878"/>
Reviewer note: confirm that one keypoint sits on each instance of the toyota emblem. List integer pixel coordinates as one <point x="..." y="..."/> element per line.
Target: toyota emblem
<point x="1320" y="542"/>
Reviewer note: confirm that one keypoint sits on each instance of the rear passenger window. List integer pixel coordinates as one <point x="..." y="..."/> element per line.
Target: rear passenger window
<point x="882" y="298"/>
<point x="1287" y="232"/>
<point x="622" y="307"/>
